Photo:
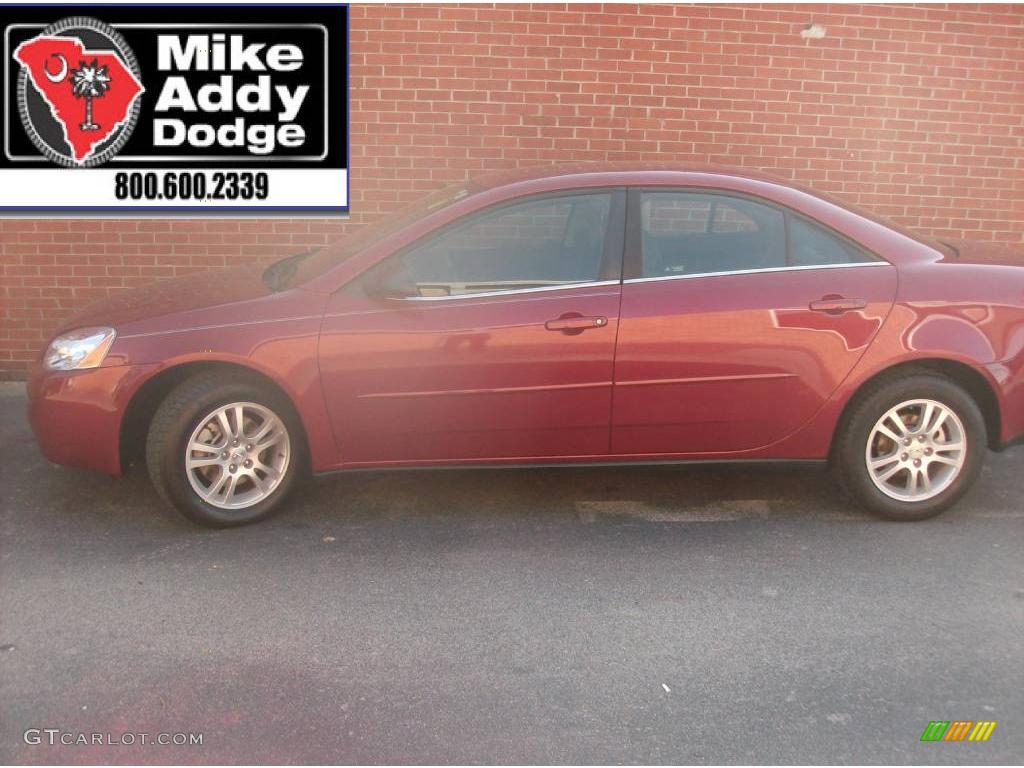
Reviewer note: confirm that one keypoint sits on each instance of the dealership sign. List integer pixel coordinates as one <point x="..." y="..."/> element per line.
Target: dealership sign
<point x="175" y="109"/>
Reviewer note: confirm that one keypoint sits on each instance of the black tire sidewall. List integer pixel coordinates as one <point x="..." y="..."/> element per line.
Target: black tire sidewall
<point x="169" y="437"/>
<point x="871" y="407"/>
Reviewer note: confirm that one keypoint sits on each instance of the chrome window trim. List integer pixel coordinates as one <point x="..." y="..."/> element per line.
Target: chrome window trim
<point x="758" y="271"/>
<point x="514" y="291"/>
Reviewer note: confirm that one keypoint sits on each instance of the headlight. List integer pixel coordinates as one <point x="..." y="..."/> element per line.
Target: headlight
<point x="84" y="348"/>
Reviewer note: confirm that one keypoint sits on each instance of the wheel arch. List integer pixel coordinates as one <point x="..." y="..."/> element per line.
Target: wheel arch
<point x="967" y="376"/>
<point x="138" y="414"/>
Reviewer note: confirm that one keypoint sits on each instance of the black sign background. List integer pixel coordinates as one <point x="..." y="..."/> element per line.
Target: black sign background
<point x="326" y="128"/>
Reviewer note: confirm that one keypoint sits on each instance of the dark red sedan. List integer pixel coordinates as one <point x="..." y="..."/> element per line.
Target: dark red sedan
<point x="575" y="316"/>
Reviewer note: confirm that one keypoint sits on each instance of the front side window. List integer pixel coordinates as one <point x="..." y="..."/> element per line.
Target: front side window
<point x="550" y="241"/>
<point x="687" y="233"/>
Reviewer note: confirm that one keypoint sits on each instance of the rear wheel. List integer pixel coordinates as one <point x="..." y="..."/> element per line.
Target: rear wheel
<point x="224" y="452"/>
<point x="911" y="447"/>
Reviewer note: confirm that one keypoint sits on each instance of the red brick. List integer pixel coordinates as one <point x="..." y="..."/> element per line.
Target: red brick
<point x="913" y="111"/>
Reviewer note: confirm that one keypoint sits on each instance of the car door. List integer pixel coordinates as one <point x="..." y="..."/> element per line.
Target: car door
<point x="502" y="348"/>
<point x="739" y="319"/>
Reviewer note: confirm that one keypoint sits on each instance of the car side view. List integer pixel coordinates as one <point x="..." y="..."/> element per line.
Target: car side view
<point x="567" y="316"/>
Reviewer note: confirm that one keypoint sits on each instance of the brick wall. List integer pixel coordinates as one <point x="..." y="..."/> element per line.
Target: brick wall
<point x="915" y="112"/>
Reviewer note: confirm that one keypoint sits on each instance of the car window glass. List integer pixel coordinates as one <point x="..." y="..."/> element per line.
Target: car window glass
<point x="687" y="233"/>
<point x="810" y="245"/>
<point x="728" y="219"/>
<point x="544" y="242"/>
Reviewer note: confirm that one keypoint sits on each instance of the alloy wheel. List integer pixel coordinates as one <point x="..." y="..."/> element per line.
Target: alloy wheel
<point x="916" y="450"/>
<point x="238" y="455"/>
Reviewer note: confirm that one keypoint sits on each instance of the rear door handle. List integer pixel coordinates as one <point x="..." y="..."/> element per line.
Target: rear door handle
<point x="837" y="305"/>
<point x="573" y="323"/>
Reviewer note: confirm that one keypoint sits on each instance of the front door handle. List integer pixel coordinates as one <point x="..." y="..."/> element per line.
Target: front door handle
<point x="573" y="323"/>
<point x="837" y="305"/>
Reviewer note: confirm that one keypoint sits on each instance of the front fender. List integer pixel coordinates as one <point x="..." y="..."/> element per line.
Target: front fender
<point x="285" y="355"/>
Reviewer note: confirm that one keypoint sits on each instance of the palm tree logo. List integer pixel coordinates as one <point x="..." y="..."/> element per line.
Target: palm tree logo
<point x="89" y="82"/>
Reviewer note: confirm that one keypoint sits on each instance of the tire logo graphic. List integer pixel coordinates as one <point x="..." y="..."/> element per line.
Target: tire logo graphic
<point x="78" y="91"/>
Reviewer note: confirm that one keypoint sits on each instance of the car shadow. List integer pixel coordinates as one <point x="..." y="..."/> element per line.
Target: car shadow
<point x="65" y="500"/>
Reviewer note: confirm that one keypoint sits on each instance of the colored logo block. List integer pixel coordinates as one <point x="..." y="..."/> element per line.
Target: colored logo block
<point x="958" y="730"/>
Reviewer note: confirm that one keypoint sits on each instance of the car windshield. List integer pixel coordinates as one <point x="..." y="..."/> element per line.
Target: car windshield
<point x="317" y="262"/>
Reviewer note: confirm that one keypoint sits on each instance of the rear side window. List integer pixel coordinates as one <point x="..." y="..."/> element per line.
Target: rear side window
<point x="694" y="233"/>
<point x="686" y="233"/>
<point x="811" y="245"/>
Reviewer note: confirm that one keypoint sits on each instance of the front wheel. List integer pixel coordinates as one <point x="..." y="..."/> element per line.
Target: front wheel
<point x="911" y="447"/>
<point x="223" y="451"/>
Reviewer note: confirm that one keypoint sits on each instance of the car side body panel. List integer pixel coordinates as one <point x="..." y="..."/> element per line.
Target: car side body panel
<point x="76" y="415"/>
<point x="273" y="335"/>
<point x="1008" y="381"/>
<point x="469" y="378"/>
<point x="965" y="309"/>
<point x="731" y="363"/>
<point x="910" y="335"/>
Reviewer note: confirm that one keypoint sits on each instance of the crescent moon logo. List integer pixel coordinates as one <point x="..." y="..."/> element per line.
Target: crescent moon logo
<point x="56" y="78"/>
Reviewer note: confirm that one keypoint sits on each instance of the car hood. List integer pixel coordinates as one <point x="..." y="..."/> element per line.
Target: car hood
<point x="200" y="291"/>
<point x="994" y="254"/>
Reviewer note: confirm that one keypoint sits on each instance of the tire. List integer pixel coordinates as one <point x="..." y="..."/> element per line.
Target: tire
<point x="234" y="480"/>
<point x="867" y="435"/>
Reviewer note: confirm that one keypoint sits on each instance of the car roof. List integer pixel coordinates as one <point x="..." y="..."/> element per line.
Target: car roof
<point x="614" y="171"/>
<point x="565" y="176"/>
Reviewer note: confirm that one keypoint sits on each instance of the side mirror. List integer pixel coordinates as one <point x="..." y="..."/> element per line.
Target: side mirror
<point x="391" y="284"/>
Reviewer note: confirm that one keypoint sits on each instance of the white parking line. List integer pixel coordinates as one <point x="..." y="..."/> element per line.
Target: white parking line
<point x="742" y="509"/>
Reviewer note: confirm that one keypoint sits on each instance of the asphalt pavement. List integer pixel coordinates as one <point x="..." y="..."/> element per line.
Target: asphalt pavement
<point x="646" y="615"/>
